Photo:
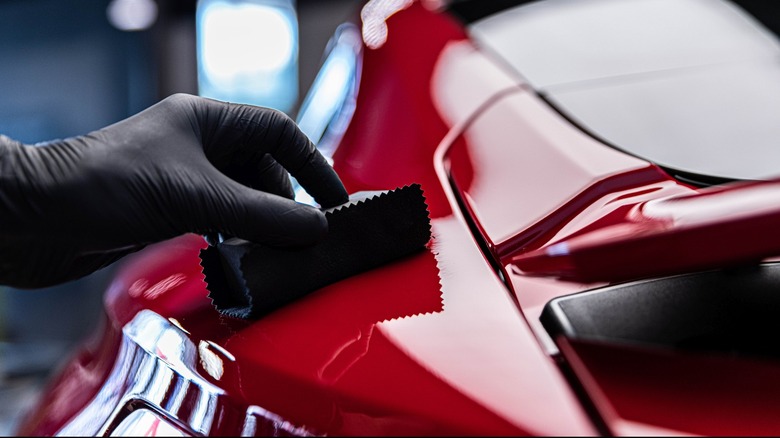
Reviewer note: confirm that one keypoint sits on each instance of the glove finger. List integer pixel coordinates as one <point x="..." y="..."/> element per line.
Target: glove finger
<point x="267" y="176"/>
<point x="256" y="130"/>
<point x="261" y="217"/>
<point x="299" y="156"/>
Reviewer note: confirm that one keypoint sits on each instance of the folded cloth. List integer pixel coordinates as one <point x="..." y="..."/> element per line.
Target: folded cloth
<point x="249" y="280"/>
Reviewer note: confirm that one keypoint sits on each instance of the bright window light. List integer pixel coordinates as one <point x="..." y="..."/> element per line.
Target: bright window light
<point x="247" y="51"/>
<point x="245" y="39"/>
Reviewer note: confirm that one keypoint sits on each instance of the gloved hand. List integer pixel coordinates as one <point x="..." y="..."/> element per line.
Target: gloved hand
<point x="187" y="164"/>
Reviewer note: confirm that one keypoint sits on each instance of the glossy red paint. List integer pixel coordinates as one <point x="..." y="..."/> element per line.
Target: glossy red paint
<point x="75" y="384"/>
<point x="433" y="344"/>
<point x="525" y="175"/>
<point x="429" y="345"/>
<point x="669" y="236"/>
<point x="644" y="390"/>
<point x="396" y="126"/>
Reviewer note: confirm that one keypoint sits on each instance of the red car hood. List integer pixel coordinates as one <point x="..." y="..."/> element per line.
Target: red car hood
<point x="448" y="341"/>
<point x="432" y="344"/>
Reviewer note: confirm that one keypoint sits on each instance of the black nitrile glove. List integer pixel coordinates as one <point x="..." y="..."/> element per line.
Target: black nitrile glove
<point x="187" y="164"/>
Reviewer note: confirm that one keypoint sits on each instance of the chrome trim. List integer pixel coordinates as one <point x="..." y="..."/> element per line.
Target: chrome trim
<point x="156" y="369"/>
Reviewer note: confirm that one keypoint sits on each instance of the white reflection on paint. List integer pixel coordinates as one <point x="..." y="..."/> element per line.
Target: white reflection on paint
<point x="210" y="361"/>
<point x="141" y="287"/>
<point x="374" y="14"/>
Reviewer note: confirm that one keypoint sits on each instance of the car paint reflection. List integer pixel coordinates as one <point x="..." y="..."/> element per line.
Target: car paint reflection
<point x="156" y="368"/>
<point x="431" y="344"/>
<point x="411" y="365"/>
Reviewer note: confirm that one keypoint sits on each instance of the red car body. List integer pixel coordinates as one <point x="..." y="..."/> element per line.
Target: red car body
<point x="446" y="342"/>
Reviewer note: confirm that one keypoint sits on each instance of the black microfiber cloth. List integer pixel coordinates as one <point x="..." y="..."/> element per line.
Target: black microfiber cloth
<point x="249" y="280"/>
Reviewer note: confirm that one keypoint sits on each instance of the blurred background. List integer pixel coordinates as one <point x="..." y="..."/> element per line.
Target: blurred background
<point x="70" y="67"/>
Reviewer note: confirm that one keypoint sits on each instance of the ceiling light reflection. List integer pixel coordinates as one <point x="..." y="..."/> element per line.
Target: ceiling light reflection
<point x="132" y="15"/>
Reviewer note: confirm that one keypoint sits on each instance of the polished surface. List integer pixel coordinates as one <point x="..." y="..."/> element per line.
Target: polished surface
<point x="156" y="371"/>
<point x="432" y="344"/>
<point x="726" y="226"/>
<point x="445" y="342"/>
<point x="559" y="43"/>
<point x="654" y="391"/>
<point x="519" y="162"/>
<point x="690" y="85"/>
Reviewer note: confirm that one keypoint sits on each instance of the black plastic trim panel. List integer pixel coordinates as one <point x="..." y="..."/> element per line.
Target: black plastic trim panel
<point x="732" y="311"/>
<point x="469" y="11"/>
